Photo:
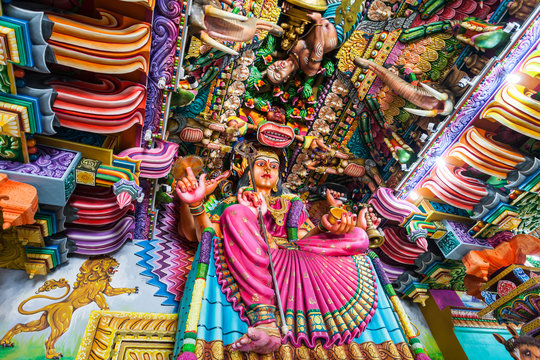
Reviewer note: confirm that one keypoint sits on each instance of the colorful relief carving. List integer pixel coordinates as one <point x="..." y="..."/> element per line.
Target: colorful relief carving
<point x="478" y="149"/>
<point x="450" y="184"/>
<point x="105" y="105"/>
<point x="156" y="162"/>
<point x="344" y="103"/>
<point x="98" y="222"/>
<point x="155" y="335"/>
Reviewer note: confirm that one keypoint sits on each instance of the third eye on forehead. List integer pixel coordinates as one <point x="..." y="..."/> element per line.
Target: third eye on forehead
<point x="266" y="160"/>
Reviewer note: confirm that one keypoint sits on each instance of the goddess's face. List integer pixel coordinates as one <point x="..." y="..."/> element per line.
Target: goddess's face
<point x="266" y="172"/>
<point x="279" y="71"/>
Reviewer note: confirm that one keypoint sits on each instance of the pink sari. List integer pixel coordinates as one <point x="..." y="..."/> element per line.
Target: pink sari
<point x="327" y="286"/>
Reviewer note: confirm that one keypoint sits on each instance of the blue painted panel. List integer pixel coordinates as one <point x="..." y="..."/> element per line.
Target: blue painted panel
<point x="479" y="344"/>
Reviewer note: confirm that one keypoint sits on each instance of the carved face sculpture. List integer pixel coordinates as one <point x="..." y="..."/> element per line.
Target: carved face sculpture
<point x="266" y="172"/>
<point x="280" y="71"/>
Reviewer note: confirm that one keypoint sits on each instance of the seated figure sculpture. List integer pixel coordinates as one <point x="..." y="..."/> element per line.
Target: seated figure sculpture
<point x="328" y="293"/>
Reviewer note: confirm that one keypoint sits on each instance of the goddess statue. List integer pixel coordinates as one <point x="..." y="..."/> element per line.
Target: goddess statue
<point x="327" y="291"/>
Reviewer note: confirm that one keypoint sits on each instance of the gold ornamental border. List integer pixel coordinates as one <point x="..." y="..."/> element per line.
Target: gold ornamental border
<point x="106" y="330"/>
<point x="505" y="272"/>
<point x="502" y="300"/>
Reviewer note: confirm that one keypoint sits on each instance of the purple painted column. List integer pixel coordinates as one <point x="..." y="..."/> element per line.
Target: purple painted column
<point x="165" y="29"/>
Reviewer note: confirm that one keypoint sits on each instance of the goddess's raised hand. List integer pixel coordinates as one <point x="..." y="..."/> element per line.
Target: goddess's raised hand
<point x="189" y="190"/>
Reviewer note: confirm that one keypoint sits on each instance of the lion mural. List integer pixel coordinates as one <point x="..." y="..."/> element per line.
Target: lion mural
<point x="93" y="282"/>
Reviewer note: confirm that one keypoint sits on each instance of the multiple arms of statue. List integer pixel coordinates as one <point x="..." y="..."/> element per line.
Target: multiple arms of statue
<point x="344" y="225"/>
<point x="194" y="219"/>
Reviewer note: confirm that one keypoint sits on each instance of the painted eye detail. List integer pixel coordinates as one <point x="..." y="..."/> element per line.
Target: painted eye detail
<point x="260" y="163"/>
<point x="274" y="166"/>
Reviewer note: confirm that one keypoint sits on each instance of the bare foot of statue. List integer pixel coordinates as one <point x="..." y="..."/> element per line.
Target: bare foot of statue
<point x="263" y="339"/>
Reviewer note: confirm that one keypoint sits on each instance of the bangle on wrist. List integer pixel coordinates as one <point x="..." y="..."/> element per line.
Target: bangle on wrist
<point x="197" y="210"/>
<point x="322" y="227"/>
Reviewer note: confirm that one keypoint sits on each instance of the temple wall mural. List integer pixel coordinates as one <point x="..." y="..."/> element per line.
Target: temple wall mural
<point x="269" y="179"/>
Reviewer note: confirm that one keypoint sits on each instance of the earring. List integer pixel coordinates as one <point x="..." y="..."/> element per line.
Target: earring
<point x="275" y="189"/>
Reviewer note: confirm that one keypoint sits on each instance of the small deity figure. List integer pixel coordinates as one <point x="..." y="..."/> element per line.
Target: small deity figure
<point x="326" y="286"/>
<point x="307" y="54"/>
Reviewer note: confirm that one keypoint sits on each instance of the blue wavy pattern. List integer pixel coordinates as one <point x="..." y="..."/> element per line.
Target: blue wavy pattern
<point x="148" y="257"/>
<point x="357" y="147"/>
<point x="197" y="106"/>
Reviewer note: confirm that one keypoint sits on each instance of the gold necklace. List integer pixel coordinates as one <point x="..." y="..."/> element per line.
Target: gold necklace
<point x="277" y="214"/>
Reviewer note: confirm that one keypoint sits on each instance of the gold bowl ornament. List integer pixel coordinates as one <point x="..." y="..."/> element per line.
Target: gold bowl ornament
<point x="335" y="214"/>
<point x="315" y="5"/>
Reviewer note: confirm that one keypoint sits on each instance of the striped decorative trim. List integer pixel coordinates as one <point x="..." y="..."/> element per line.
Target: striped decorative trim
<point x="406" y="324"/>
<point x="190" y="334"/>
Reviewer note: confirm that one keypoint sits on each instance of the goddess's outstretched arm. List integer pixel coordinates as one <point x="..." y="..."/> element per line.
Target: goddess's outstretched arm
<point x="186" y="223"/>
